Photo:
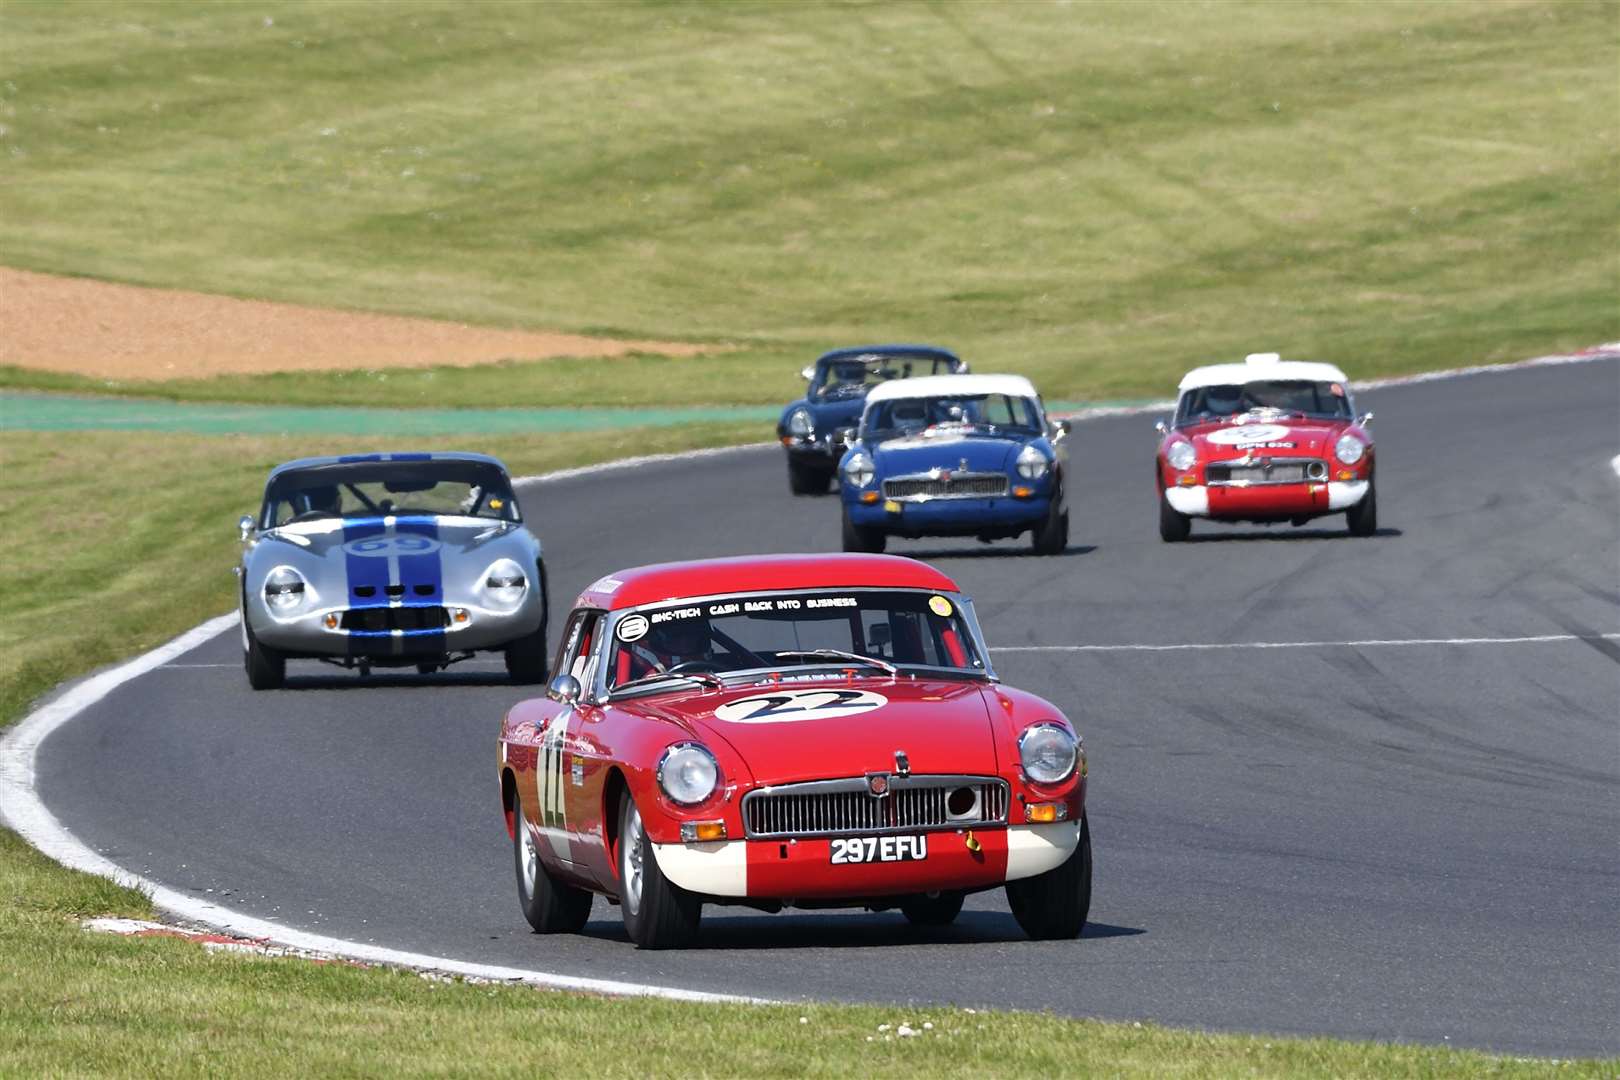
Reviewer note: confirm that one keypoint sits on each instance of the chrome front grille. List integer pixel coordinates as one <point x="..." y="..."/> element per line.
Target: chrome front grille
<point x="1254" y="472"/>
<point x="846" y="807"/>
<point x="946" y="486"/>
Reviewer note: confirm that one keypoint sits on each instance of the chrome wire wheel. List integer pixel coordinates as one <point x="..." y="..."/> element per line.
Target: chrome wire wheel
<point x="630" y="868"/>
<point x="528" y="853"/>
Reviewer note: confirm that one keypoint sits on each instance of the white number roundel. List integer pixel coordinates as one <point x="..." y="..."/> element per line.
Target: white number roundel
<point x="395" y="546"/>
<point x="1248" y="433"/>
<point x="789" y="706"/>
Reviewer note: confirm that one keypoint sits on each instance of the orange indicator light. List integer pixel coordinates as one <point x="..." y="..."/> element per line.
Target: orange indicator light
<point x="1347" y="474"/>
<point x="460" y="615"/>
<point x="1189" y="480"/>
<point x="697" y="832"/>
<point x="1022" y="492"/>
<point x="869" y="497"/>
<point x="331" y="621"/>
<point x="1045" y="812"/>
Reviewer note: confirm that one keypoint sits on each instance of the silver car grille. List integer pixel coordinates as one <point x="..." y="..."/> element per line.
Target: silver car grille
<point x="1255" y="472"/>
<point x="845" y="807"/>
<point x="952" y="486"/>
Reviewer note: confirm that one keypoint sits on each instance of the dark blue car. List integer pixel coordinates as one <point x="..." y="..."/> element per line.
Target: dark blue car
<point x="956" y="455"/>
<point x="818" y="427"/>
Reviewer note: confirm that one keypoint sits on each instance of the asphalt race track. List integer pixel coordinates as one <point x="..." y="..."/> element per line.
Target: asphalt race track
<point x="1372" y="835"/>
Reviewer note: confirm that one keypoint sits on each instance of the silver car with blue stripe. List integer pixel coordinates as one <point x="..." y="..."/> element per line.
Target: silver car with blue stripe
<point x="390" y="560"/>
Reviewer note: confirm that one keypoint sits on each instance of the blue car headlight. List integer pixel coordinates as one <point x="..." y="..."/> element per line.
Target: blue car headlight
<point x="799" y="423"/>
<point x="1032" y="464"/>
<point x="859" y="470"/>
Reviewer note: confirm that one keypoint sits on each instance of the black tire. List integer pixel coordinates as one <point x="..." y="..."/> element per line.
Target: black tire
<point x="1054" y="905"/>
<point x="1174" y="526"/>
<point x="1363" y="517"/>
<point x="939" y="910"/>
<point x="266" y="668"/>
<point x="805" y="478"/>
<point x="426" y="669"/>
<point x="1051" y="537"/>
<point x="658" y="914"/>
<point x="526" y="659"/>
<point x="862" y="537"/>
<point x="550" y="906"/>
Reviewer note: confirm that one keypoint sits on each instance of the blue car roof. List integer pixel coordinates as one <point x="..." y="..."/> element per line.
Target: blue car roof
<point x="347" y="459"/>
<point x="933" y="352"/>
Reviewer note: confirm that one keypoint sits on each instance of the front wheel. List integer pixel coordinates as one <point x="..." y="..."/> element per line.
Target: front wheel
<point x="863" y="537"/>
<point x="266" y="668"/>
<point x="808" y="479"/>
<point x="658" y="914"/>
<point x="1054" y="905"/>
<point x="550" y="906"/>
<point x="1363" y="517"/>
<point x="1051" y="536"/>
<point x="1174" y="526"/>
<point x="526" y="657"/>
<point x="940" y="909"/>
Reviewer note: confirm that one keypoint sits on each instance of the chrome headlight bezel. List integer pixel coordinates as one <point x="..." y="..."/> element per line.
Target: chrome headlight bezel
<point x="505" y="583"/>
<point x="1048" y="752"/>
<point x="285" y="590"/>
<point x="688" y="774"/>
<point x="1182" y="455"/>
<point x="1349" y="449"/>
<point x="800" y="424"/>
<point x="860" y="470"/>
<point x="1031" y="463"/>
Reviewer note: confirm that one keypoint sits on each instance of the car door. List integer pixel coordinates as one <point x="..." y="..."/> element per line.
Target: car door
<point x="556" y="726"/>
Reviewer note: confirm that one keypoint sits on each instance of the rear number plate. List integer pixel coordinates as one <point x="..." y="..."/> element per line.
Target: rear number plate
<point x="865" y="849"/>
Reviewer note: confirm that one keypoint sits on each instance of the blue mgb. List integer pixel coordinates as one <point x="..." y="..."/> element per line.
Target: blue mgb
<point x="818" y="427"/>
<point x="956" y="455"/>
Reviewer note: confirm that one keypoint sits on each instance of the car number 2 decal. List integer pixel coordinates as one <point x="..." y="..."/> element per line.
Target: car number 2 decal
<point x="787" y="706"/>
<point x="865" y="849"/>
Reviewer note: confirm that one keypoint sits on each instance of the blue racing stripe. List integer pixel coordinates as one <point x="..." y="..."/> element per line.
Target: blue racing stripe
<point x="420" y="572"/>
<point x="365" y="571"/>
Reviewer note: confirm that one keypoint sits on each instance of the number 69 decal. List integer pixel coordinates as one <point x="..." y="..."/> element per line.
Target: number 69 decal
<point x="382" y="547"/>
<point x="787" y="706"/>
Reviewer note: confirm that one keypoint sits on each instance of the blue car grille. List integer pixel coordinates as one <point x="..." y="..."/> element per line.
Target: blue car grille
<point x="952" y="486"/>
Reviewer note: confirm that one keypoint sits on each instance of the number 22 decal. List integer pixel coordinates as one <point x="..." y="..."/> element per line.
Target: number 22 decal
<point x="792" y="705"/>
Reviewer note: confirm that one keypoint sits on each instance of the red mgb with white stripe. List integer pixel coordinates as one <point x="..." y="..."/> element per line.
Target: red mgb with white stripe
<point x="798" y="730"/>
<point x="1267" y="440"/>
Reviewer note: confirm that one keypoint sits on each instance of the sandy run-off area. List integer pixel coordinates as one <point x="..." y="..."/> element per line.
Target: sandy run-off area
<point x="107" y="331"/>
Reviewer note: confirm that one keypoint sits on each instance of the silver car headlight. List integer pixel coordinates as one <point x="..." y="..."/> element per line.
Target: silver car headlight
<point x="505" y="583"/>
<point x="688" y="773"/>
<point x="1181" y="456"/>
<point x="858" y="470"/>
<point x="799" y="423"/>
<point x="1049" y="753"/>
<point x="1349" y="449"/>
<point x="1032" y="464"/>
<point x="285" y="590"/>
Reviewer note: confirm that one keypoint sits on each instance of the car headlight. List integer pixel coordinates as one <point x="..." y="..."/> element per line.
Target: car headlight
<point x="1182" y="456"/>
<point x="505" y="583"/>
<point x="1032" y="464"/>
<point x="688" y="773"/>
<point x="1049" y="753"/>
<point x="284" y="590"/>
<point x="799" y="423"/>
<point x="858" y="470"/>
<point x="1349" y="449"/>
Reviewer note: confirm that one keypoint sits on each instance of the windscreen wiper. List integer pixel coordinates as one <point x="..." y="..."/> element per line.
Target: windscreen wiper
<point x="839" y="654"/>
<point x="707" y="678"/>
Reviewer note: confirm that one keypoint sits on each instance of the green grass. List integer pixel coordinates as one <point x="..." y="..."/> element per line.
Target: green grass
<point x="1097" y="195"/>
<point x="92" y="1005"/>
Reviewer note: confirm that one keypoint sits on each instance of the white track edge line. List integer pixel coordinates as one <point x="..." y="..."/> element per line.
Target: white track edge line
<point x="21" y="808"/>
<point x="1369" y="643"/>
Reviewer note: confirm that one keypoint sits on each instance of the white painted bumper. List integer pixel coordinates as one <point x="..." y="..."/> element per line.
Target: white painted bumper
<point x="720" y="868"/>
<point x="1345" y="494"/>
<point x="1192" y="501"/>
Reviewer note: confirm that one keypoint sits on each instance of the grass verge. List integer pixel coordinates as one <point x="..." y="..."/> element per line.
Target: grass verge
<point x="91" y="1004"/>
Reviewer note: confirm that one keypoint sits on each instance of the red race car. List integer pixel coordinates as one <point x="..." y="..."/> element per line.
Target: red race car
<point x="798" y="730"/>
<point x="1266" y="440"/>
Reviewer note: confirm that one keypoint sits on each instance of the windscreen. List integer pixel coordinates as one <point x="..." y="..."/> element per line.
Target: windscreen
<point x="1298" y="396"/>
<point x="991" y="414"/>
<point x="382" y="488"/>
<point x="763" y="631"/>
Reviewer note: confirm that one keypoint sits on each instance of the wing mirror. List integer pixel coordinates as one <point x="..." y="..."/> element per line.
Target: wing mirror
<point x="1060" y="428"/>
<point x="564" y="690"/>
<point x="1365" y="419"/>
<point x="808" y="373"/>
<point x="1161" y="427"/>
<point x="244" y="525"/>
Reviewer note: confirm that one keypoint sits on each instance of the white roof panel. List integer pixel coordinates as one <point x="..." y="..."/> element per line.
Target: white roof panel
<point x="949" y="385"/>
<point x="1263" y="371"/>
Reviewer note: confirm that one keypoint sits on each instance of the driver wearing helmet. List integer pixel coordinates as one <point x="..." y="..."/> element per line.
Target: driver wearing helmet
<point x="669" y="644"/>
<point x="322" y="499"/>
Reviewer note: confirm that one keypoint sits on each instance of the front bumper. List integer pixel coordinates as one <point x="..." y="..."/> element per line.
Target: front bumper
<point x="1276" y="501"/>
<point x="803" y="869"/>
<point x="951" y="517"/>
<point x="307" y="635"/>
